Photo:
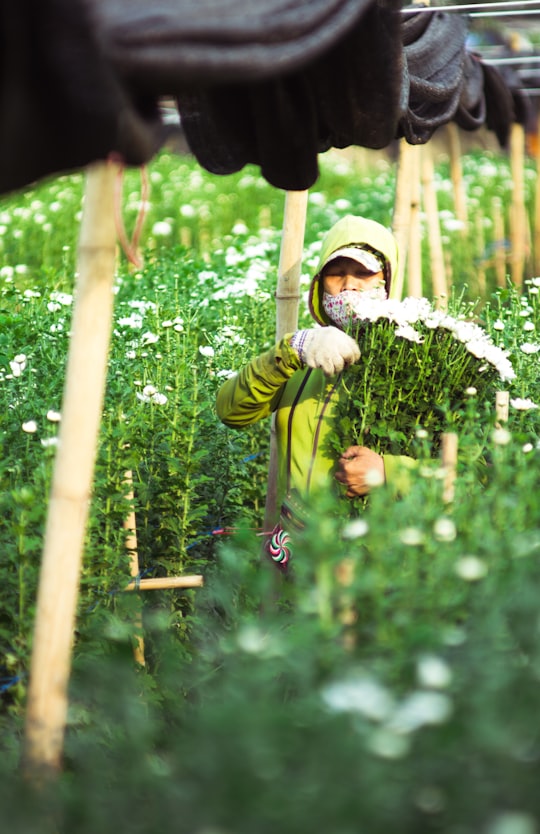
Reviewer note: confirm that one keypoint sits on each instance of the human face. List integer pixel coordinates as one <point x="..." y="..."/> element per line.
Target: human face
<point x="346" y="274"/>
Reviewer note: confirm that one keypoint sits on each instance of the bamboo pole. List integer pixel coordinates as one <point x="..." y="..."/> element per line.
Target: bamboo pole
<point x="72" y="476"/>
<point x="502" y="406"/>
<point x="130" y="526"/>
<point x="456" y="175"/>
<point x="449" y="462"/>
<point x="160" y="583"/>
<point x="287" y="301"/>
<point x="414" y="276"/>
<point x="536" y="233"/>
<point x="402" y="213"/>
<point x="518" y="226"/>
<point x="481" y="247"/>
<point x="499" y="254"/>
<point x="438" y="272"/>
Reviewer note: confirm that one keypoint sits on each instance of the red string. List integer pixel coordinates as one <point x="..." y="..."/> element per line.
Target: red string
<point x="130" y="247"/>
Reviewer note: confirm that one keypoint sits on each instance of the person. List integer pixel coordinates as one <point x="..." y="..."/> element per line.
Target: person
<point x="298" y="380"/>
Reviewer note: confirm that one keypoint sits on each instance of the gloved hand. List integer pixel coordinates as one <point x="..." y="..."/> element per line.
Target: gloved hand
<point x="327" y="348"/>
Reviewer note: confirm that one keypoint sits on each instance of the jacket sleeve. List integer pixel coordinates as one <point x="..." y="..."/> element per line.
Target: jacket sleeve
<point x="254" y="392"/>
<point x="397" y="470"/>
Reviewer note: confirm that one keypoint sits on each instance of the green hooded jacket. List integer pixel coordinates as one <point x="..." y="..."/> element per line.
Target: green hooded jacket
<point x="304" y="399"/>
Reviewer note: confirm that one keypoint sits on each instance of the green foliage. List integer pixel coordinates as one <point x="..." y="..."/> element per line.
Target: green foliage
<point x="391" y="684"/>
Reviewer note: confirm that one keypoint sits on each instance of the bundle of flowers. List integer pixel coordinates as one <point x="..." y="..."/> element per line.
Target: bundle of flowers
<point x="419" y="366"/>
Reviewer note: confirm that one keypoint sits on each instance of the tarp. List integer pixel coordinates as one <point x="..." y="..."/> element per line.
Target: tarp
<point x="271" y="82"/>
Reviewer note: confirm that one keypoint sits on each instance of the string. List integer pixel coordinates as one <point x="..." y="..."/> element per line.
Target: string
<point x="130" y="247"/>
<point x="518" y="5"/>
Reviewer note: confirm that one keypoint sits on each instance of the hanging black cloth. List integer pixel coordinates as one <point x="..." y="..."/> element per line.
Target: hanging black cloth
<point x="62" y="104"/>
<point x="348" y="96"/>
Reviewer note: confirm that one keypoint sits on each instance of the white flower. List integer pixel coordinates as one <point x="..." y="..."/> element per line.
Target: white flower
<point x="529" y="325"/>
<point x="501" y="437"/>
<point x="18" y="364"/>
<point x="206" y="350"/>
<point x="498" y="325"/>
<point x="411" y="536"/>
<point x="359" y="694"/>
<point x="29" y="427"/>
<point x="471" y="568"/>
<point x="513" y="822"/>
<point x="529" y="347"/>
<point x="444" y="530"/>
<point x="471" y="391"/>
<point x="421" y="708"/>
<point x="161" y="228"/>
<point x="54" y="416"/>
<point x="149" y="338"/>
<point x="46" y="442"/>
<point x="522" y="404"/>
<point x="526" y="448"/>
<point x="406" y="331"/>
<point x="150" y="394"/>
<point x="433" y="672"/>
<point x="355" y="529"/>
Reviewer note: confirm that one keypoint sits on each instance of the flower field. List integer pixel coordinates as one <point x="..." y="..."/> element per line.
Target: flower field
<point x="394" y="684"/>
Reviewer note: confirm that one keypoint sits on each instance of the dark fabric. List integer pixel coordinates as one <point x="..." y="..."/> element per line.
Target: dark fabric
<point x="272" y="82"/>
<point x="61" y="103"/>
<point x="158" y="42"/>
<point x="434" y="49"/>
<point x="350" y="95"/>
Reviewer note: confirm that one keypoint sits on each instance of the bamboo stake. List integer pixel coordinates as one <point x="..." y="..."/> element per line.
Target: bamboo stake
<point x="537" y="204"/>
<point x="502" y="405"/>
<point x="287" y="300"/>
<point x="72" y="476"/>
<point x="500" y="247"/>
<point x="438" y="272"/>
<point x="159" y="583"/>
<point x="456" y="175"/>
<point x="402" y="213"/>
<point x="130" y="525"/>
<point x="415" y="233"/>
<point x="518" y="231"/>
<point x="481" y="246"/>
<point x="449" y="463"/>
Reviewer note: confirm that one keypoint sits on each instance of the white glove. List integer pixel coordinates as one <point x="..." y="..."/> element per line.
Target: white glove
<point x="327" y="348"/>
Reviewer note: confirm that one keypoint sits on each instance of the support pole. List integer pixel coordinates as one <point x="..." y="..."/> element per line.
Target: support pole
<point x="72" y="477"/>
<point x="438" y="271"/>
<point x="130" y="526"/>
<point x="518" y="224"/>
<point x="414" y="275"/>
<point x="449" y="453"/>
<point x="456" y="174"/>
<point x="287" y="300"/>
<point x="402" y="213"/>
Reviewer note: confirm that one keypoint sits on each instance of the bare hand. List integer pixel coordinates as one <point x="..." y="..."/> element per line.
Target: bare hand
<point x="359" y="469"/>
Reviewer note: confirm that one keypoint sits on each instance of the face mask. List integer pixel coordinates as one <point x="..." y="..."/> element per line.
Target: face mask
<point x="351" y="306"/>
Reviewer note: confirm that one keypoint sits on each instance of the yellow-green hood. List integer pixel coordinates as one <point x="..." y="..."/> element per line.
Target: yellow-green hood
<point x="348" y="231"/>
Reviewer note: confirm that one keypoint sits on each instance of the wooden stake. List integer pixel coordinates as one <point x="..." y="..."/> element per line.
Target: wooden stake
<point x="502" y="404"/>
<point x="518" y="225"/>
<point x="456" y="175"/>
<point x="481" y="249"/>
<point x="402" y="213"/>
<point x="449" y="462"/>
<point x="160" y="583"/>
<point x="415" y="231"/>
<point x="130" y="525"/>
<point x="438" y="272"/>
<point x="536" y="233"/>
<point x="499" y="242"/>
<point x="72" y="476"/>
<point x="287" y="300"/>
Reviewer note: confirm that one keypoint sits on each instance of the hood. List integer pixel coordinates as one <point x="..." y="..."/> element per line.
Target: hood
<point x="349" y="231"/>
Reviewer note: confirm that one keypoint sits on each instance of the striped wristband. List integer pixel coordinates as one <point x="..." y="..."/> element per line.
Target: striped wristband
<point x="297" y="342"/>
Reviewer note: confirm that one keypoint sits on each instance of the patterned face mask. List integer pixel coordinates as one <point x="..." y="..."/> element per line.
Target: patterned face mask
<point x="351" y="306"/>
